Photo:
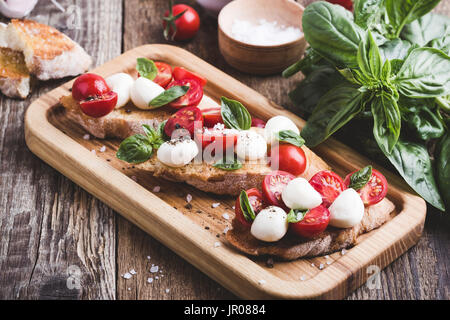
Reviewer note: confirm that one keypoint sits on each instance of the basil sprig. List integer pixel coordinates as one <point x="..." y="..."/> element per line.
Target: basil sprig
<point x="235" y="115"/>
<point x="360" y="178"/>
<point x="246" y="207"/>
<point x="168" y="96"/>
<point x="146" y="68"/>
<point x="139" y="147"/>
<point x="296" y="215"/>
<point x="227" y="165"/>
<point x="289" y="136"/>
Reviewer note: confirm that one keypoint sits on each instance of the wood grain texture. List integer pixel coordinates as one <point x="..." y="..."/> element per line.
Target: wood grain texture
<point x="48" y="225"/>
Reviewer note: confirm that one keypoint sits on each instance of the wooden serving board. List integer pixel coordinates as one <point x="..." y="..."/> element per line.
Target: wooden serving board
<point x="193" y="232"/>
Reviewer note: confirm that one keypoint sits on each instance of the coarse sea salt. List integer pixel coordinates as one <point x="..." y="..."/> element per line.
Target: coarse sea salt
<point x="265" y="33"/>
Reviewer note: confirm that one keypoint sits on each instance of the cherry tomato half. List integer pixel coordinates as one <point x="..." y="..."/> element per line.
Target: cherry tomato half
<point x="328" y="184"/>
<point x="258" y="123"/>
<point x="211" y="117"/>
<point x="186" y="118"/>
<point x="89" y="85"/>
<point x="164" y="75"/>
<point x="374" y="191"/>
<point x="273" y="185"/>
<point x="224" y="139"/>
<point x="187" y="25"/>
<point x="100" y="105"/>
<point x="256" y="201"/>
<point x="287" y="157"/>
<point x="314" y="223"/>
<point x="180" y="73"/>
<point x="192" y="98"/>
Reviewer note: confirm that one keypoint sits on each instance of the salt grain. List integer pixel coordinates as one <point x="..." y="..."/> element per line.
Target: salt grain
<point x="86" y="137"/>
<point x="103" y="149"/>
<point x="343" y="251"/>
<point x="167" y="290"/>
<point x="302" y="278"/>
<point x="215" y="205"/>
<point x="127" y="276"/>
<point x="226" y="216"/>
<point x="328" y="262"/>
<point x="157" y="189"/>
<point x="225" y="230"/>
<point x="188" y="198"/>
<point x="133" y="272"/>
<point x="321" y="266"/>
<point x="216" y="244"/>
<point x="134" y="178"/>
<point x="154" y="269"/>
<point x="261" y="282"/>
<point x="148" y="257"/>
<point x="150" y="280"/>
<point x="93" y="151"/>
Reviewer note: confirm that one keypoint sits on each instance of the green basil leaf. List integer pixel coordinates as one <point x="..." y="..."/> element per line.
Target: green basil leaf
<point x="330" y="31"/>
<point x="289" y="136"/>
<point x="235" y="115"/>
<point x="335" y="109"/>
<point x="360" y="178"/>
<point x="311" y="58"/>
<point x="387" y="121"/>
<point x="369" y="58"/>
<point x="403" y="12"/>
<point x="443" y="168"/>
<point x="135" y="149"/>
<point x="395" y="49"/>
<point x="367" y="12"/>
<point x="425" y="73"/>
<point x="296" y="215"/>
<point x="246" y="207"/>
<point x="444" y="102"/>
<point x="146" y="68"/>
<point x="423" y="30"/>
<point x="168" y="96"/>
<point x="413" y="163"/>
<point x="442" y="43"/>
<point x="228" y="165"/>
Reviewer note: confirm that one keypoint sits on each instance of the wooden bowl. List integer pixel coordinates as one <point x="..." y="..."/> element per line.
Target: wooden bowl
<point x="260" y="59"/>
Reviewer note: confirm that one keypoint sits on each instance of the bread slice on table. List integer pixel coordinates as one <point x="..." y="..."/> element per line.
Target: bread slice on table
<point x="14" y="75"/>
<point x="48" y="53"/>
<point x="124" y="122"/>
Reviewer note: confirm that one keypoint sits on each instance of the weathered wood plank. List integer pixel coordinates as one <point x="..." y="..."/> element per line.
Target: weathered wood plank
<point x="50" y="228"/>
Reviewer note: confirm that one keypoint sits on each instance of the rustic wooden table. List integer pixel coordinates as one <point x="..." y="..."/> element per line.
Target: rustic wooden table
<point x="51" y="230"/>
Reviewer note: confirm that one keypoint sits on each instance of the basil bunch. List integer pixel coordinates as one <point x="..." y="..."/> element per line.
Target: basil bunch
<point x="386" y="69"/>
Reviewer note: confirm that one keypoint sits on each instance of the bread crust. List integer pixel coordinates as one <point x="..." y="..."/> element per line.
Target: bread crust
<point x="14" y="75"/>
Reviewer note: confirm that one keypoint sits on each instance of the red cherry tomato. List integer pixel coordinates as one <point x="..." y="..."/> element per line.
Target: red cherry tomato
<point x="273" y="185"/>
<point x="99" y="106"/>
<point x="258" y="123"/>
<point x="328" y="184"/>
<point x="287" y="157"/>
<point x="192" y="98"/>
<point x="374" y="191"/>
<point x="187" y="118"/>
<point x="211" y="117"/>
<point x="314" y="223"/>
<point x="347" y="4"/>
<point x="256" y="201"/>
<point x="180" y="73"/>
<point x="89" y="85"/>
<point x="164" y="75"/>
<point x="187" y="25"/>
<point x="223" y="138"/>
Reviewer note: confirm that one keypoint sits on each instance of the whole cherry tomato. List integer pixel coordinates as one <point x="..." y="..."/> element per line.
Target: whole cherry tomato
<point x="315" y="222"/>
<point x="186" y="25"/>
<point x="256" y="201"/>
<point x="328" y="184"/>
<point x="186" y="118"/>
<point x="374" y="191"/>
<point x="287" y="157"/>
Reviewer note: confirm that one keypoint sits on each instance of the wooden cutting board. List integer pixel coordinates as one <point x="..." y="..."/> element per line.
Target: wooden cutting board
<point x="194" y="233"/>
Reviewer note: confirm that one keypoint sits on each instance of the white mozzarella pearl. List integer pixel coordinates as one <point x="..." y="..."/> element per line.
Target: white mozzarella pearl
<point x="347" y="210"/>
<point x="177" y="152"/>
<point x="299" y="194"/>
<point x="250" y="145"/>
<point x="121" y="84"/>
<point x="143" y="91"/>
<point x="270" y="224"/>
<point x="277" y="124"/>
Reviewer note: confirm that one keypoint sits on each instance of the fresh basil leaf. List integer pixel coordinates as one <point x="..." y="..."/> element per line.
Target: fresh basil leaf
<point x="168" y="96"/>
<point x="289" y="136"/>
<point x="425" y="73"/>
<point x="367" y="12"/>
<point x="311" y="58"/>
<point x="360" y="178"/>
<point x="443" y="168"/>
<point x="146" y="68"/>
<point x="444" y="102"/>
<point x="235" y="115"/>
<point x="335" y="109"/>
<point x="330" y="31"/>
<point x="386" y="121"/>
<point x="395" y="49"/>
<point x="403" y="12"/>
<point x="369" y="58"/>
<point x="295" y="216"/>
<point x="413" y="163"/>
<point x="135" y="149"/>
<point x="246" y="207"/>
<point x="423" y="30"/>
<point x="228" y="165"/>
<point x="442" y="43"/>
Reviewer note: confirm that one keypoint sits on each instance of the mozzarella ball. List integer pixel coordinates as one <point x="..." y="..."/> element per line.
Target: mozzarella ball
<point x="270" y="224"/>
<point x="299" y="194"/>
<point x="347" y="210"/>
<point x="277" y="124"/>
<point x="250" y="145"/>
<point x="143" y="91"/>
<point x="121" y="84"/>
<point x="177" y="152"/>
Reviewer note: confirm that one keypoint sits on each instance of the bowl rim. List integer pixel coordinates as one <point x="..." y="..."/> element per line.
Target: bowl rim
<point x="287" y="44"/>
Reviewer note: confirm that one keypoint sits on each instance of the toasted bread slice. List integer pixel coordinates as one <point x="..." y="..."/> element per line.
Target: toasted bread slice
<point x="121" y="123"/>
<point x="329" y="241"/>
<point x="14" y="75"/>
<point x="49" y="54"/>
